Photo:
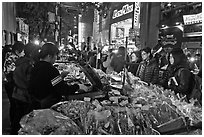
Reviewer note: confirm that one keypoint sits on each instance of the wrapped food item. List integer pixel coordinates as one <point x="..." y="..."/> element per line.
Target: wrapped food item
<point x="131" y="121"/>
<point x="76" y="110"/>
<point x="100" y="122"/>
<point x="103" y="76"/>
<point x="172" y="125"/>
<point x="195" y="132"/>
<point x="48" y="122"/>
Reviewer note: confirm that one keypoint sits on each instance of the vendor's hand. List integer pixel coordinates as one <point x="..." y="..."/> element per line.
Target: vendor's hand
<point x="64" y="74"/>
<point x="83" y="87"/>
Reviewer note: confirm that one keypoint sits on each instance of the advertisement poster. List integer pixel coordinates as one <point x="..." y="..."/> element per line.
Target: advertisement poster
<point x="120" y="32"/>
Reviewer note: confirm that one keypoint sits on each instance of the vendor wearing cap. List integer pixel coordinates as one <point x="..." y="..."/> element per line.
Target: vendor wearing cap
<point x="46" y="83"/>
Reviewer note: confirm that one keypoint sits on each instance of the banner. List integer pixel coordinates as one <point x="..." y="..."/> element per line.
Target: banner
<point x="192" y="19"/>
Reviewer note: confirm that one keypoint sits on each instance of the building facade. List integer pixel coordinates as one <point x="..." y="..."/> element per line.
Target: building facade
<point x="135" y="20"/>
<point x="184" y="22"/>
<point x="8" y="23"/>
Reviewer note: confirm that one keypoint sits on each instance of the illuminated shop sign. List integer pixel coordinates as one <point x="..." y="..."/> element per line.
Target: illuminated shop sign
<point x="137" y="14"/>
<point x="125" y="10"/>
<point x="169" y="39"/>
<point x="192" y="19"/>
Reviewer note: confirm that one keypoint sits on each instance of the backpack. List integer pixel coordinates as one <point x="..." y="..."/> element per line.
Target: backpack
<point x="196" y="92"/>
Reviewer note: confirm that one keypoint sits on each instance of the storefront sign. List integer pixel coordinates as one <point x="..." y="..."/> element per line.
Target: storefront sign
<point x="136" y="14"/>
<point x="169" y="39"/>
<point x="51" y="17"/>
<point x="132" y="33"/>
<point x="125" y="10"/>
<point x="23" y="27"/>
<point x="192" y="19"/>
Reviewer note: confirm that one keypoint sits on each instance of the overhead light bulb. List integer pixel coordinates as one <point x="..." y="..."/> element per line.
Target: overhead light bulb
<point x="36" y="42"/>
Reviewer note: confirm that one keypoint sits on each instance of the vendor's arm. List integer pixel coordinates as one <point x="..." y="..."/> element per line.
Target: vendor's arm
<point x="63" y="88"/>
<point x="60" y="86"/>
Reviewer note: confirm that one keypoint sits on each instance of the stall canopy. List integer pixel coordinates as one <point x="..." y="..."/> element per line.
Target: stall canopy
<point x="9" y="17"/>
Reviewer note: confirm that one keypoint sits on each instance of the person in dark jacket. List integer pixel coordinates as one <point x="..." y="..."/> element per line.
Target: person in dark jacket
<point x="9" y="67"/>
<point x="136" y="58"/>
<point x="181" y="80"/>
<point x="92" y="59"/>
<point x="21" y="76"/>
<point x="46" y="83"/>
<point x="118" y="60"/>
<point x="148" y="70"/>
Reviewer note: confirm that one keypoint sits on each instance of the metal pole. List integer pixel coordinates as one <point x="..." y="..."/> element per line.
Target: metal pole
<point x="60" y="24"/>
<point x="124" y="69"/>
<point x="133" y="15"/>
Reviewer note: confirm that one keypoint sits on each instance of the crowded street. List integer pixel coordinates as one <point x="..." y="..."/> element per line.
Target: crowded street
<point x="101" y="68"/>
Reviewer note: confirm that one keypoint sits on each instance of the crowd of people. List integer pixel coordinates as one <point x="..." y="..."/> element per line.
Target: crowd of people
<point x="32" y="81"/>
<point x="169" y="68"/>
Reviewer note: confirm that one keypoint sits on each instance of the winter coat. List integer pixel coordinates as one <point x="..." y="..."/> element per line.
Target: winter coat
<point x="133" y="67"/>
<point x="118" y="62"/>
<point x="21" y="76"/>
<point x="148" y="71"/>
<point x="47" y="86"/>
<point x="164" y="75"/>
<point x="184" y="81"/>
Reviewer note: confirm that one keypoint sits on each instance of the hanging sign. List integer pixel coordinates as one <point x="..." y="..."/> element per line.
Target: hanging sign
<point x="23" y="27"/>
<point x="132" y="33"/>
<point x="136" y="14"/>
<point x="192" y="19"/>
<point x="51" y="17"/>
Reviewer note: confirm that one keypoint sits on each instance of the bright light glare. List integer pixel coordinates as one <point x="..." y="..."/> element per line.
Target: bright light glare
<point x="192" y="59"/>
<point x="36" y="42"/>
<point x="115" y="51"/>
<point x="61" y="47"/>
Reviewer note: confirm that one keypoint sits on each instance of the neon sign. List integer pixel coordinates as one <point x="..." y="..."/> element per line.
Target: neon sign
<point x="125" y="10"/>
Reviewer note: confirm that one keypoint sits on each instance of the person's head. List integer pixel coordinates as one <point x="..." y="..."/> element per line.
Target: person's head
<point x="168" y="48"/>
<point x="146" y="53"/>
<point x="49" y="52"/>
<point x="136" y="56"/>
<point x="177" y="57"/>
<point x="121" y="50"/>
<point x="29" y="48"/>
<point x="18" y="48"/>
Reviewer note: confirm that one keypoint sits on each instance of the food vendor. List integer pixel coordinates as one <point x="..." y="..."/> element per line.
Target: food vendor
<point x="46" y="83"/>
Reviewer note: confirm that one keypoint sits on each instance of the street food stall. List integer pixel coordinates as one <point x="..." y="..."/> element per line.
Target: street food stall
<point x="113" y="108"/>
